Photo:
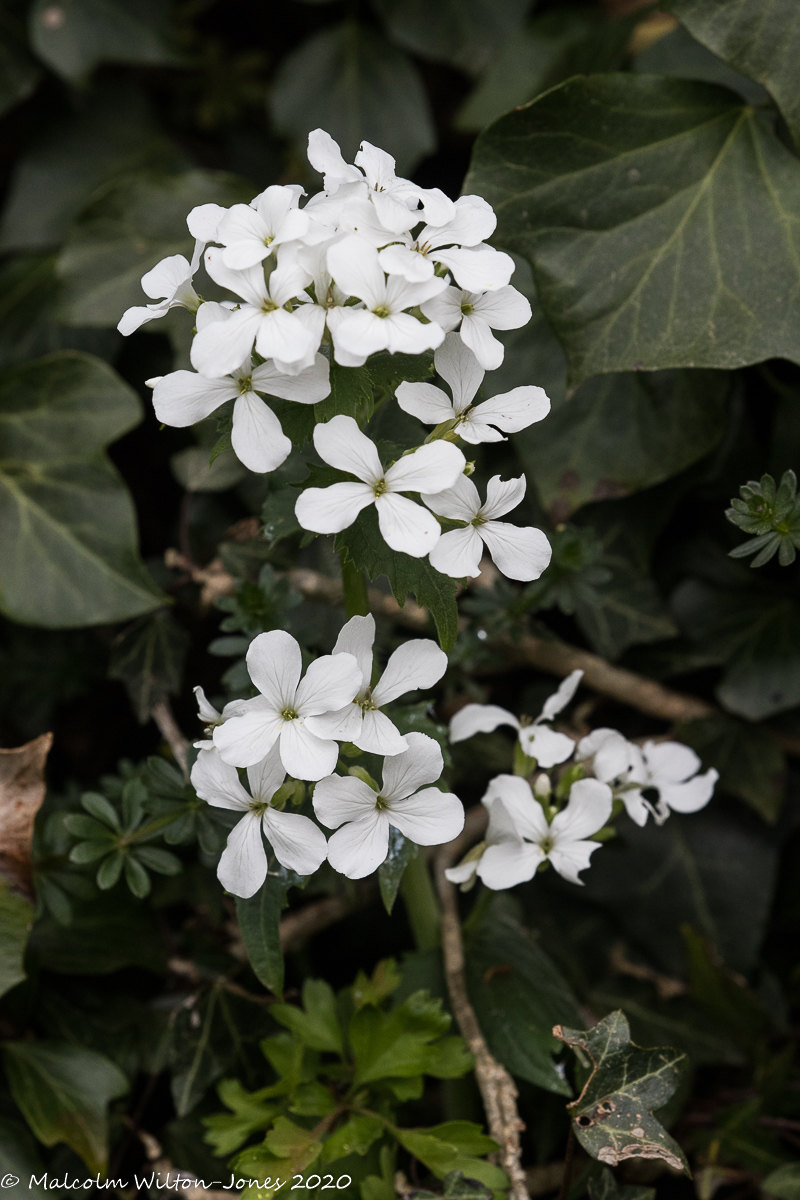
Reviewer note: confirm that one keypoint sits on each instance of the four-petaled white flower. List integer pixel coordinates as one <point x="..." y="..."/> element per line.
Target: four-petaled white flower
<point x="298" y="843"/>
<point x="521" y="838"/>
<point x="396" y="199"/>
<point x="457" y="245"/>
<point x="285" y="711"/>
<point x="458" y="366"/>
<point x="383" y="324"/>
<point x="221" y="346"/>
<point x="211" y="717"/>
<point x="249" y="232"/>
<point x="362" y="817"/>
<point x="405" y="526"/>
<point x="183" y="398"/>
<point x="669" y="768"/>
<point x="537" y="739"/>
<point x="170" y="284"/>
<point x="519" y="552"/>
<point x="416" y="664"/>
<point x="478" y="314"/>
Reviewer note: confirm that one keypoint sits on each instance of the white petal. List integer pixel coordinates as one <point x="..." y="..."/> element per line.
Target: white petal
<point x="244" y="740"/>
<point x="290" y="278"/>
<point x="182" y="398"/>
<point x="359" y="848"/>
<point x="427" y="403"/>
<point x="217" y="782"/>
<point x="343" y="725"/>
<point x="474" y="430"/>
<point x="460" y="369"/>
<point x="476" y="333"/>
<point x="445" y="309"/>
<point x="514" y="410"/>
<point x="256" y="437"/>
<point x="209" y="312"/>
<point x="430" y="469"/>
<point x="635" y="806"/>
<point x="524" y="811"/>
<point x="504" y="309"/>
<point x="222" y="346"/>
<point x="520" y="553"/>
<point x="406" y="335"/>
<point x="309" y="387"/>
<point x="204" y="220"/>
<point x="356" y="334"/>
<point x="571" y="858"/>
<point x="420" y="764"/>
<point x="460" y="502"/>
<point x="377" y="165"/>
<point x="331" y="681"/>
<point x="437" y="207"/>
<point x="354" y="264"/>
<point x="405" y="526"/>
<point x="561" y="697"/>
<point x="341" y="798"/>
<point x="340" y="443"/>
<point x="275" y="662"/>
<point x="205" y="710"/>
<point x="378" y="735"/>
<point x="393" y="214"/>
<point x="281" y="335"/>
<point x="326" y="157"/>
<point x="312" y="318"/>
<point x="508" y="863"/>
<point x="479" y="718"/>
<point x="357" y="637"/>
<point x="166" y="277"/>
<point x="419" y="663"/>
<point x="243" y="863"/>
<point x="243" y="233"/>
<point x="670" y="762"/>
<point x="248" y="284"/>
<point x="477" y="270"/>
<point x="612" y="759"/>
<point x="463" y="872"/>
<point x="473" y="221"/>
<point x="588" y="809"/>
<point x="133" y="318"/>
<point x="588" y="746"/>
<point x="299" y="844"/>
<point x="331" y="509"/>
<point x="304" y="755"/>
<point x="458" y="553"/>
<point x="398" y="259"/>
<point x="266" y="777"/>
<point x="429" y="817"/>
<point x="545" y="745"/>
<point x="691" y="796"/>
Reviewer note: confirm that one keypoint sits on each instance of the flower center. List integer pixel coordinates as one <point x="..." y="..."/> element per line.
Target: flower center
<point x="381" y="804"/>
<point x="547" y="844"/>
<point x="382" y="311"/>
<point x="380" y="488"/>
<point x="268" y="306"/>
<point x="367" y="704"/>
<point x="289" y="714"/>
<point x="268" y="240"/>
<point x="259" y="806"/>
<point x="478" y="520"/>
<point x="245" y="384"/>
<point x="467" y="309"/>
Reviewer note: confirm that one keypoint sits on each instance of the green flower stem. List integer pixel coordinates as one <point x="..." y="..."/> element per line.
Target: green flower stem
<point x="354" y="582"/>
<point x="421" y="904"/>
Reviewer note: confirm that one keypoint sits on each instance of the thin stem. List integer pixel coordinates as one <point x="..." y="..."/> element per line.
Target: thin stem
<point x="354" y="584"/>
<point x="421" y="904"/>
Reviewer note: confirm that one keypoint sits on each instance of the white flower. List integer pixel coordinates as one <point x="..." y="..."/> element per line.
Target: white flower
<point x="251" y="232"/>
<point x="183" y="398"/>
<point x="480" y="313"/>
<point x="520" y="553"/>
<point x="416" y="664"/>
<point x="457" y="245"/>
<point x="299" y="844"/>
<point x="362" y="817"/>
<point x="383" y="324"/>
<point x="325" y="156"/>
<point x="170" y="283"/>
<point x="285" y="711"/>
<point x="203" y="222"/>
<point x="459" y="368"/>
<point x="538" y="740"/>
<point x="670" y="768"/>
<point x="220" y="347"/>
<point x="211" y="717"/>
<point x="521" y="838"/>
<point x="405" y="526"/>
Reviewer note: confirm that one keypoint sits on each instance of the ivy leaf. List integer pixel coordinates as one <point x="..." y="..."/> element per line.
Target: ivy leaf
<point x="750" y="764"/>
<point x="89" y="32"/>
<point x="760" y="38"/>
<point x="613" y="1116"/>
<point x="148" y="658"/>
<point x="610" y="185"/>
<point x="464" y="33"/>
<point x="457" y="1187"/>
<point x="63" y="1092"/>
<point x="66" y="514"/>
<point x="606" y="1187"/>
<point x="364" y="547"/>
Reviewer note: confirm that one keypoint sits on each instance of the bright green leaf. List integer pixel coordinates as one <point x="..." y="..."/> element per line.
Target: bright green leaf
<point x="249" y="1114"/>
<point x="442" y="1150"/>
<point x="404" y="1042"/>
<point x="355" y="1136"/>
<point x="317" y="1023"/>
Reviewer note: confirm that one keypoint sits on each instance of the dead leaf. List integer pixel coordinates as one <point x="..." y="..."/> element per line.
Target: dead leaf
<point x="22" y="789"/>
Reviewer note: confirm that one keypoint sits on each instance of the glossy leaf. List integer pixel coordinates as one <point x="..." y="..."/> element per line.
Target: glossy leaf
<point x="613" y="1116"/>
<point x="657" y="214"/>
<point x="69" y="527"/>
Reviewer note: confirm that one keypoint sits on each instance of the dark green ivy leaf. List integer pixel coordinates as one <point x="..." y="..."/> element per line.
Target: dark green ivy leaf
<point x="89" y="32"/>
<point x="605" y="1187"/>
<point x="457" y="1187"/>
<point x="148" y="658"/>
<point x="750" y="764"/>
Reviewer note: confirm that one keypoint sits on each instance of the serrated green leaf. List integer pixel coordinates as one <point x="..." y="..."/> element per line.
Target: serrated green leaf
<point x="654" y="212"/>
<point x="364" y="547"/>
<point x="250" y="1113"/>
<point x="613" y="1116"/>
<point x="355" y="1136"/>
<point x="404" y="1042"/>
<point x="317" y="1023"/>
<point x="446" y="1148"/>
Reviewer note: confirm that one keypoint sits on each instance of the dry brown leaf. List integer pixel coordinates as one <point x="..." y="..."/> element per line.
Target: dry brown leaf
<point x="22" y="789"/>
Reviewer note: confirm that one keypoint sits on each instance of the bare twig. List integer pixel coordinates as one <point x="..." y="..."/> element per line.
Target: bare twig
<point x="164" y="718"/>
<point x="164" y="1169"/>
<point x="496" y="1085"/>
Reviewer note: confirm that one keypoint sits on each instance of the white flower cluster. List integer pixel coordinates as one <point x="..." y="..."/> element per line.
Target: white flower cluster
<point x="526" y="826"/>
<point x="293" y="726"/>
<point x="370" y="263"/>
